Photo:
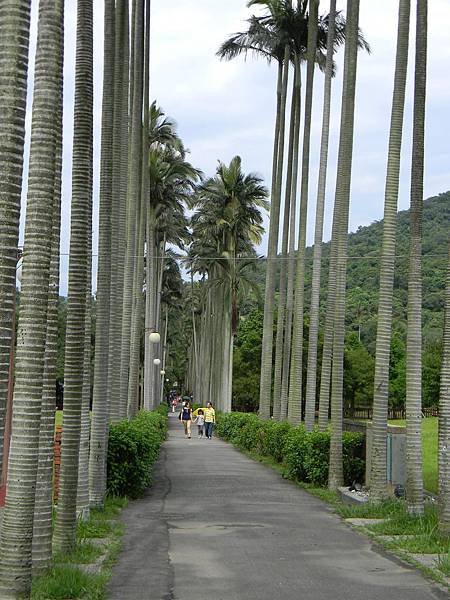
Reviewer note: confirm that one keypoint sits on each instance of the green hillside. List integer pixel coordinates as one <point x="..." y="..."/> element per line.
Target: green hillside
<point x="362" y="303"/>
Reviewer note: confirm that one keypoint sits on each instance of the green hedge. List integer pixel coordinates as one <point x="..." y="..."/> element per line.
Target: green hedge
<point x="133" y="448"/>
<point x="304" y="454"/>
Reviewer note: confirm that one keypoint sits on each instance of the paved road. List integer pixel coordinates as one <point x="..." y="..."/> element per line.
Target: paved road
<point x="218" y="526"/>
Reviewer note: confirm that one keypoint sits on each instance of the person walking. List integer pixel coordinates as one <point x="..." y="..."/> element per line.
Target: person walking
<point x="186" y="419"/>
<point x="200" y="420"/>
<point x="210" y="419"/>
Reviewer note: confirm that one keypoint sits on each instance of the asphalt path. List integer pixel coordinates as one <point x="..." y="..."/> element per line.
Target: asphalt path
<point x="218" y="526"/>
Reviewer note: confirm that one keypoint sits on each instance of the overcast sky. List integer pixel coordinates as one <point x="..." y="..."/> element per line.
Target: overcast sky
<point x="223" y="109"/>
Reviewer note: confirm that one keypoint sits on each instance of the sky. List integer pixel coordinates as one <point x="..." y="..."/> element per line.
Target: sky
<point x="227" y="108"/>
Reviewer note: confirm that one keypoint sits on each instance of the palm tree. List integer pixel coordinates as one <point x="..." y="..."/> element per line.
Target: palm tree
<point x="289" y="208"/>
<point x="286" y="350"/>
<point x="65" y="526"/>
<point x="263" y="41"/>
<point x="295" y="385"/>
<point x="135" y="348"/>
<point x="310" y="396"/>
<point x="414" y="481"/>
<point x="342" y="211"/>
<point x="118" y="208"/>
<point x="134" y="197"/>
<point x="83" y="504"/>
<point x="17" y="527"/>
<point x="171" y="184"/>
<point x="97" y="455"/>
<point x="43" y="508"/>
<point x="280" y="35"/>
<point x="14" y="39"/>
<point x="228" y="219"/>
<point x="444" y="420"/>
<point x="378" y="480"/>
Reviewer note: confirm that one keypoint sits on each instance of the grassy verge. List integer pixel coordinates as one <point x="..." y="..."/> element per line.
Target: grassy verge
<point x="84" y="573"/>
<point x="429" y="451"/>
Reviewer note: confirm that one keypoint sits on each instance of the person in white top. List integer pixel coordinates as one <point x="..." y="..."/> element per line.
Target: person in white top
<point x="200" y="420"/>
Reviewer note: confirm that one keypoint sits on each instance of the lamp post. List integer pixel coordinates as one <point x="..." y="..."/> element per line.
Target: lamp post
<point x="9" y="401"/>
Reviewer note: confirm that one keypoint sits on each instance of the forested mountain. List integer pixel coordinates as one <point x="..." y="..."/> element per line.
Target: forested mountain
<point x="363" y="266"/>
<point x="362" y="304"/>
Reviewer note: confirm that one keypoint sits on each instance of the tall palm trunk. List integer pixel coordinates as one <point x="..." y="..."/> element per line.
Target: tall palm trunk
<point x="160" y="266"/>
<point x="17" y="526"/>
<point x="118" y="144"/>
<point x="414" y="480"/>
<point x="343" y="185"/>
<point x="194" y="338"/>
<point x="292" y="251"/>
<point x="150" y="309"/>
<point x="164" y="352"/>
<point x="14" y="38"/>
<point x="65" y="526"/>
<point x="134" y="196"/>
<point x="311" y="379"/>
<point x="97" y="456"/>
<point x="378" y="476"/>
<point x="83" y="458"/>
<point x="295" y="380"/>
<point x="283" y="274"/>
<point x="43" y="508"/>
<point x="444" y="419"/>
<point x="135" y="352"/>
<point x="272" y="250"/>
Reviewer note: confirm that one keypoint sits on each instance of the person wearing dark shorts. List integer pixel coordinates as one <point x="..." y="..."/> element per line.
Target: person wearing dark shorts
<point x="186" y="419"/>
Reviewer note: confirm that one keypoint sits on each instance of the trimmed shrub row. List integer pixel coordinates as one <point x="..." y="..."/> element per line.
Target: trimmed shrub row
<point x="133" y="448"/>
<point x="304" y="454"/>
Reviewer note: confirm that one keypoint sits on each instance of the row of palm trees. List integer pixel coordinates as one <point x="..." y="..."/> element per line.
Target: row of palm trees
<point x="291" y="33"/>
<point x="145" y="181"/>
<point x="226" y="226"/>
<point x="146" y="186"/>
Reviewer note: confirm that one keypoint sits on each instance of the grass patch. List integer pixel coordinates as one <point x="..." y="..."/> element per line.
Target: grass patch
<point x="65" y="580"/>
<point x="422" y="544"/>
<point x="429" y="451"/>
<point x="58" y="418"/>
<point x="328" y="496"/>
<point x="68" y="583"/>
<point x="385" y="510"/>
<point x="444" y="564"/>
<point x="425" y="531"/>
<point x="84" y="553"/>
<point x="404" y="524"/>
<point x="93" y="528"/>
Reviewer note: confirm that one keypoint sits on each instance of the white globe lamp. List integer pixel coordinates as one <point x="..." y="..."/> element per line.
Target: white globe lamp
<point x="162" y="372"/>
<point x="154" y="337"/>
<point x="156" y="361"/>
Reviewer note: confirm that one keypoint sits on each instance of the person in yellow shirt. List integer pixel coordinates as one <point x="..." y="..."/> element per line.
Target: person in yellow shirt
<point x="210" y="419"/>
